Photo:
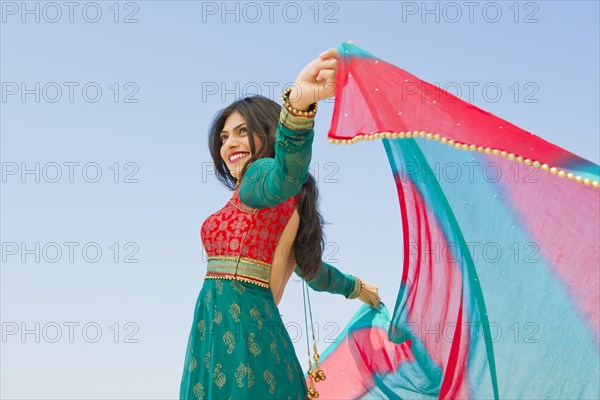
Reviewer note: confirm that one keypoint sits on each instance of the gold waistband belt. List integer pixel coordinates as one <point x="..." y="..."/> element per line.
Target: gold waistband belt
<point x="238" y="268"/>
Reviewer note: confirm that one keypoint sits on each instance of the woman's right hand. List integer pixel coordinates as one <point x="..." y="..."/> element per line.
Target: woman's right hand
<point x="316" y="81"/>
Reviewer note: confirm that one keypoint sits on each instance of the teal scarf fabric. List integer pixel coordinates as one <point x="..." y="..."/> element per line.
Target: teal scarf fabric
<point x="500" y="276"/>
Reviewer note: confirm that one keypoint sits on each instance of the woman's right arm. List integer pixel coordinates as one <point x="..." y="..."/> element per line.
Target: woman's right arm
<point x="270" y="181"/>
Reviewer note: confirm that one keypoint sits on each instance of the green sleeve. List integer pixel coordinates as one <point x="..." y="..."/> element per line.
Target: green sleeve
<point x="330" y="279"/>
<point x="270" y="181"/>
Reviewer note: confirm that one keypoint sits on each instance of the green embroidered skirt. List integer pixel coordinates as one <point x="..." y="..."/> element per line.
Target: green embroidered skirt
<point x="239" y="347"/>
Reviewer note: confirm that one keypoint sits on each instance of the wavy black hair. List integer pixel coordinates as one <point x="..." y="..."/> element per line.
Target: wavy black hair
<point x="261" y="115"/>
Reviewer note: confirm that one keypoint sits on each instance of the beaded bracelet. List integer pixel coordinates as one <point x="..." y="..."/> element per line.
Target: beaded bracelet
<point x="310" y="113"/>
<point x="295" y="123"/>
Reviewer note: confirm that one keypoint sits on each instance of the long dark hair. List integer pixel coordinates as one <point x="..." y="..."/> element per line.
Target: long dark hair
<point x="262" y="117"/>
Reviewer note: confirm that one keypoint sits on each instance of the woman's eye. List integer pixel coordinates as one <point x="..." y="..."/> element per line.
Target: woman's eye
<point x="223" y="139"/>
<point x="243" y="130"/>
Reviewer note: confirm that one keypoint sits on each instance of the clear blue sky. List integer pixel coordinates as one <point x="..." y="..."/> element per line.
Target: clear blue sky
<point x="163" y="76"/>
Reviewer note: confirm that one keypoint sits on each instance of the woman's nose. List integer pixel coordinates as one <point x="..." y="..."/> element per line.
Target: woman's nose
<point x="231" y="142"/>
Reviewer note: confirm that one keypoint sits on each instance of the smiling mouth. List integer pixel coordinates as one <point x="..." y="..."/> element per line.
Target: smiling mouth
<point x="238" y="157"/>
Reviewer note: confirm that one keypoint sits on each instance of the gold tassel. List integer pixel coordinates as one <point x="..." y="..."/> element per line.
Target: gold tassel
<point x="317" y="373"/>
<point x="312" y="392"/>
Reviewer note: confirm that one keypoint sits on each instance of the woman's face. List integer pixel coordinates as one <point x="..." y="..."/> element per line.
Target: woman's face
<point x="235" y="143"/>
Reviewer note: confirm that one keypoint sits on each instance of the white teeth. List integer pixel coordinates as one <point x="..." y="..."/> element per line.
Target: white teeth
<point x="237" y="156"/>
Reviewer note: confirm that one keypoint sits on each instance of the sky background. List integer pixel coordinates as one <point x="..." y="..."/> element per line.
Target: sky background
<point x="105" y="187"/>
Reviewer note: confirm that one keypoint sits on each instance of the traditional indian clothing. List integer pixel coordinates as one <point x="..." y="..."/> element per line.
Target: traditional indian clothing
<point x="500" y="276"/>
<point x="238" y="346"/>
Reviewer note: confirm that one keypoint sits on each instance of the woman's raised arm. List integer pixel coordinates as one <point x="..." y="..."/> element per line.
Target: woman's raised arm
<point x="270" y="181"/>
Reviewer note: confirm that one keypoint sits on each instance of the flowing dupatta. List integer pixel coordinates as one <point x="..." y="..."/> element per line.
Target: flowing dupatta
<point x="499" y="295"/>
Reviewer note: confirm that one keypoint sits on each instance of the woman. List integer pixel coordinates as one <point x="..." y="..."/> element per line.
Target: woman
<point x="238" y="345"/>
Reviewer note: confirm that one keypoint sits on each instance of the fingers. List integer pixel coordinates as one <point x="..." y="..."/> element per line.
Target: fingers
<point x="326" y="75"/>
<point x="326" y="64"/>
<point x="373" y="299"/>
<point x="329" y="53"/>
<point x="377" y="302"/>
<point x="370" y="295"/>
<point x="377" y="298"/>
<point x="325" y="69"/>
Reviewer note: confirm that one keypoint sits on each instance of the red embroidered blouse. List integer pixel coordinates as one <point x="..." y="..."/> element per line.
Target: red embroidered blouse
<point x="239" y="230"/>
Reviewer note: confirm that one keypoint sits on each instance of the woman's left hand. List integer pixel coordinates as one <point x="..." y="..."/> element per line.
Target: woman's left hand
<point x="370" y="295"/>
<point x="316" y="81"/>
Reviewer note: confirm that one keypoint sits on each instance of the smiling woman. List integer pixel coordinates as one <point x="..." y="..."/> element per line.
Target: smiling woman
<point x="236" y="144"/>
<point x="238" y="345"/>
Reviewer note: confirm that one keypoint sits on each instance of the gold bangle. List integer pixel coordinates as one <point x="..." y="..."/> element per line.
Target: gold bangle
<point x="310" y="113"/>
<point x="357" y="290"/>
<point x="362" y="286"/>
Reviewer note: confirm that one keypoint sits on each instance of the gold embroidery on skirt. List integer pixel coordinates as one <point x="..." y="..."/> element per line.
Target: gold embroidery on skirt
<point x="252" y="345"/>
<point x="268" y="308"/>
<point x="257" y="316"/>
<point x="288" y="369"/>
<point x="270" y="380"/>
<point x="207" y="299"/>
<point x="274" y="350"/>
<point x="285" y="344"/>
<point x="207" y="361"/>
<point x="228" y="339"/>
<point x="234" y="310"/>
<point x="192" y="365"/>
<point x="238" y="287"/>
<point x="244" y="371"/>
<point x="219" y="285"/>
<point x="199" y="391"/>
<point x="218" y="376"/>
<point x="202" y="328"/>
<point x="217" y="316"/>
